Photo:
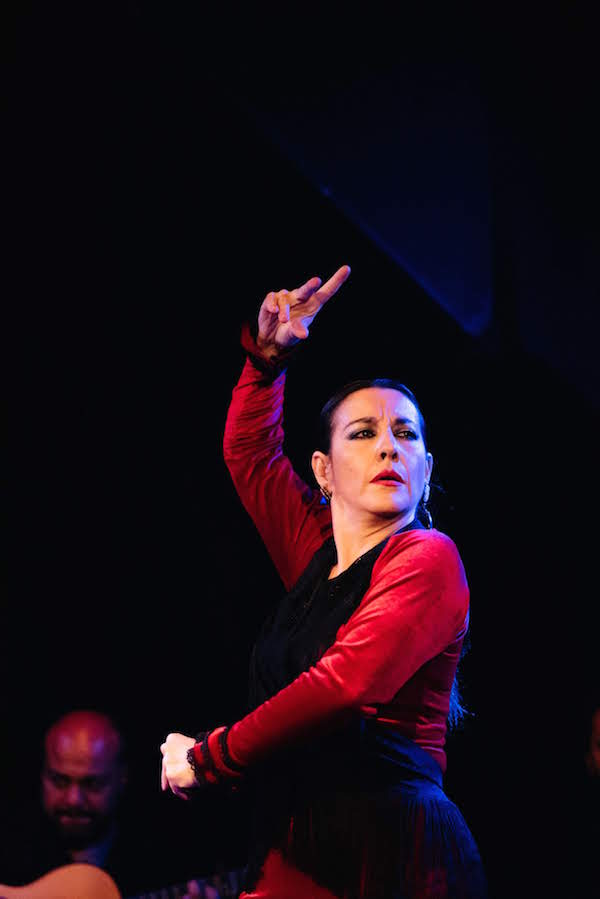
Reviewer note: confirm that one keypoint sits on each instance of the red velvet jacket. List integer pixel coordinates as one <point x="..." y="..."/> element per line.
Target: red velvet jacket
<point x="396" y="656"/>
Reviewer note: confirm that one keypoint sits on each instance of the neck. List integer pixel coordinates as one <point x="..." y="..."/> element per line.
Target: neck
<point x="353" y="538"/>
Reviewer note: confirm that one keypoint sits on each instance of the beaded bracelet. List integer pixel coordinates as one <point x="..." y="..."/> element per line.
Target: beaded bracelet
<point x="209" y="762"/>
<point x="269" y="366"/>
<point x="198" y="773"/>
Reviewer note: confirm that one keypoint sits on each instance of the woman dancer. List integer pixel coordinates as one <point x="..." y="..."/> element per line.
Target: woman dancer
<point x="351" y="677"/>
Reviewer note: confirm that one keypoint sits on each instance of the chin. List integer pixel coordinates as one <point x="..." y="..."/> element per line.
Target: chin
<point x="389" y="510"/>
<point x="79" y="835"/>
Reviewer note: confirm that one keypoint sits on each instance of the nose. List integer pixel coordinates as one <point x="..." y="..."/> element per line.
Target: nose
<point x="388" y="447"/>
<point x="74" y="795"/>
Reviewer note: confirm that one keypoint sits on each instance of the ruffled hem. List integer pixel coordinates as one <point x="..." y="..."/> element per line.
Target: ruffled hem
<point x="381" y="831"/>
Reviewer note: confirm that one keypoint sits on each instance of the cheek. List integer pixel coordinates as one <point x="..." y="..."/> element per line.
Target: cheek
<point x="345" y="467"/>
<point x="417" y="465"/>
<point x="49" y="795"/>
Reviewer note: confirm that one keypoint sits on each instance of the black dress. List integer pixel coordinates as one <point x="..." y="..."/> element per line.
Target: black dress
<point x="361" y="810"/>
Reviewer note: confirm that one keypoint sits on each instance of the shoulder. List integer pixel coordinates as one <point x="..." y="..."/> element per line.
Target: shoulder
<point x="424" y="546"/>
<point x="428" y="556"/>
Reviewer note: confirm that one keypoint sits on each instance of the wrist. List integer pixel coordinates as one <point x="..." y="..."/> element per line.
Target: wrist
<point x="266" y="356"/>
<point x="197" y="763"/>
<point x="211" y="760"/>
<point x="267" y="348"/>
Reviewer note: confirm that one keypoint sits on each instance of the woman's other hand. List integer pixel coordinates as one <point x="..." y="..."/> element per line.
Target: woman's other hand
<point x="176" y="773"/>
<point x="285" y="316"/>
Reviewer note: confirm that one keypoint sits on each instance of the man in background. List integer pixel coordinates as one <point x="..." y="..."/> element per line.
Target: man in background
<point x="84" y="776"/>
<point x="82" y="817"/>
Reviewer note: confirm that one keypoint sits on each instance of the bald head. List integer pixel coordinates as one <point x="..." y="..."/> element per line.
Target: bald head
<point x="85" y="734"/>
<point x="83" y="776"/>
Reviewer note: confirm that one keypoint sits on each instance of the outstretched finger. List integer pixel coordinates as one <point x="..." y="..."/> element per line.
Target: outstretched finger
<point x="306" y="290"/>
<point x="333" y="285"/>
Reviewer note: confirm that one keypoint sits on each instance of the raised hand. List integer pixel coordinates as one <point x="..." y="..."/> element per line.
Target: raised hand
<point x="286" y="315"/>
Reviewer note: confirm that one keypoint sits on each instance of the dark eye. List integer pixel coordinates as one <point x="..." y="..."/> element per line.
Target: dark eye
<point x="407" y="434"/>
<point x="365" y="432"/>
<point x="58" y="780"/>
<point x="93" y="784"/>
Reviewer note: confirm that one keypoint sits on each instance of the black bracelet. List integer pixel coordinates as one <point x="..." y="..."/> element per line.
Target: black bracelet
<point x="271" y="367"/>
<point x="198" y="772"/>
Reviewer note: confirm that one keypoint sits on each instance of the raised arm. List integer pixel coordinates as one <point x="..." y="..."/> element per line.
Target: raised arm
<point x="289" y="515"/>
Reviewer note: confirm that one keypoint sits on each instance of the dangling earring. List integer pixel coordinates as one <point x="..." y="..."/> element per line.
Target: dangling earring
<point x="326" y="493"/>
<point x="424" y="501"/>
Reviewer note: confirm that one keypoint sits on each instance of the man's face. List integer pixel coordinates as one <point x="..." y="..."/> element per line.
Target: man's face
<point x="82" y="781"/>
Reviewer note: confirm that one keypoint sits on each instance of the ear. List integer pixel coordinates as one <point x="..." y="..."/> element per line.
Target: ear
<point x="320" y="467"/>
<point x="428" y="467"/>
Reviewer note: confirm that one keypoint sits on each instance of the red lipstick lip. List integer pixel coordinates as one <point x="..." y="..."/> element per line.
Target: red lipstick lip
<point x="388" y="476"/>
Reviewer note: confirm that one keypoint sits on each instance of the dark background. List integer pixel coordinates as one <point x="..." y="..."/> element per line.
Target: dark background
<point x="168" y="167"/>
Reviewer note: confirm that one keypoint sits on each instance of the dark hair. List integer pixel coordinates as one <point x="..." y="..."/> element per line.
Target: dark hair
<point x="457" y="711"/>
<point x="328" y="411"/>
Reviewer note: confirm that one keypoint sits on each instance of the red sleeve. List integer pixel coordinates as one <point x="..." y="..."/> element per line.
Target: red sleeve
<point x="289" y="515"/>
<point x="416" y="605"/>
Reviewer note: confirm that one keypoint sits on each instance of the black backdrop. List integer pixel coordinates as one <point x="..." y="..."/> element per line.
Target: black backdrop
<point x="151" y="216"/>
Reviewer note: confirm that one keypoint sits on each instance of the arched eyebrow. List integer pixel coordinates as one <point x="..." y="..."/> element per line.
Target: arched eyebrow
<point x="369" y="420"/>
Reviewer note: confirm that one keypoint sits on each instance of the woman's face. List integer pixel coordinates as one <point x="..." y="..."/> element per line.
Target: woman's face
<point x="377" y="462"/>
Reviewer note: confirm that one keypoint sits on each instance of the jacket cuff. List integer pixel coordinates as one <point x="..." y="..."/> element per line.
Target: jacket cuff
<point x="211" y="760"/>
<point x="271" y="365"/>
